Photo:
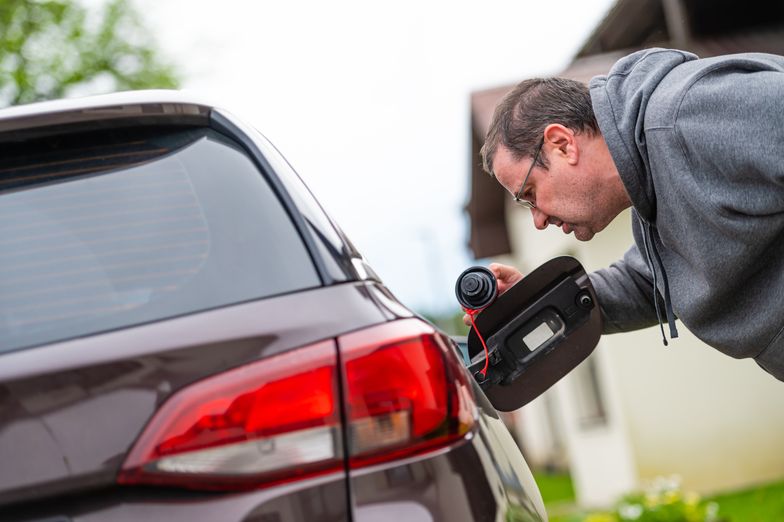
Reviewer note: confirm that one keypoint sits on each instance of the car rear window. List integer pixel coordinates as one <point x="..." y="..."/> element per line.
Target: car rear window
<point x="106" y="230"/>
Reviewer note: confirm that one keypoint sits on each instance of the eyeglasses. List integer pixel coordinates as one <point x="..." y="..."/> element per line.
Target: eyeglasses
<point x="518" y="198"/>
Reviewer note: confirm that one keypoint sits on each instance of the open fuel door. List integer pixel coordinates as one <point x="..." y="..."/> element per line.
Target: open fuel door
<point x="536" y="332"/>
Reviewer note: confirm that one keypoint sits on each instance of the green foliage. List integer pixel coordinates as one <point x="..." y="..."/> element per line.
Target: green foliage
<point x="51" y="48"/>
<point x="763" y="503"/>
<point x="663" y="501"/>
<point x="449" y="323"/>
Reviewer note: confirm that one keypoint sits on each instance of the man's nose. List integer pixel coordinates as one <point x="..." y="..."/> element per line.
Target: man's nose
<point x="540" y="218"/>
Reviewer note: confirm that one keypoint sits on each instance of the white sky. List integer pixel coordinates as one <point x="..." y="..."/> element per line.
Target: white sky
<point x="369" y="102"/>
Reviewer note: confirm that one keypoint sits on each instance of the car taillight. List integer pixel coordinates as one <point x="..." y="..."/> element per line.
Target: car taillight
<point x="279" y="419"/>
<point x="270" y="421"/>
<point x="405" y="392"/>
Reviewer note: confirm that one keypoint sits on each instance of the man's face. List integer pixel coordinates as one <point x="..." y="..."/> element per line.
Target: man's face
<point x="570" y="193"/>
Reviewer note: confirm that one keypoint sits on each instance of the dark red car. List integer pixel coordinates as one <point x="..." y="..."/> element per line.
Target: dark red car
<point x="186" y="335"/>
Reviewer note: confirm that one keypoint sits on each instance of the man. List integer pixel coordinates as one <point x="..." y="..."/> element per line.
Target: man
<point x="696" y="148"/>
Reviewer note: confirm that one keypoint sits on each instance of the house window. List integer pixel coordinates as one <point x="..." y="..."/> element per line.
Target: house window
<point x="591" y="411"/>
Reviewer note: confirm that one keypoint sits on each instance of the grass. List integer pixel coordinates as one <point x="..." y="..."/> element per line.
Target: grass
<point x="558" y="495"/>
<point x="759" y="504"/>
<point x="555" y="487"/>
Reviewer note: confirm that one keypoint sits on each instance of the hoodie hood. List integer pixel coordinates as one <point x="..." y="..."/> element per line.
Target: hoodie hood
<point x="619" y="101"/>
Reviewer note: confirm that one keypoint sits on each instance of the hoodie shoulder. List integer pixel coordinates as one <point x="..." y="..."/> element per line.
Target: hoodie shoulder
<point x="719" y="81"/>
<point x="642" y="62"/>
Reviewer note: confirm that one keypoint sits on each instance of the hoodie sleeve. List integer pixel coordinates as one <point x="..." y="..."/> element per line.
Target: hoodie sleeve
<point x="625" y="293"/>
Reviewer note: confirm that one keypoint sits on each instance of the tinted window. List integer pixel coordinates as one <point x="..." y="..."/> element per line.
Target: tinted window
<point x="104" y="231"/>
<point x="334" y="252"/>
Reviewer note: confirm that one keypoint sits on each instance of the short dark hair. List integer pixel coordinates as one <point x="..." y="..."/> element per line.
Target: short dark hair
<point x="520" y="118"/>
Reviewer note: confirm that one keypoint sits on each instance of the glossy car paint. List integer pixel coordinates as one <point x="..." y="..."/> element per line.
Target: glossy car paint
<point x="447" y="487"/>
<point x="70" y="411"/>
<point x="102" y="389"/>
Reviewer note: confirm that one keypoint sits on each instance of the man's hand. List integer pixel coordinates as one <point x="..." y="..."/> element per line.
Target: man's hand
<point x="506" y="276"/>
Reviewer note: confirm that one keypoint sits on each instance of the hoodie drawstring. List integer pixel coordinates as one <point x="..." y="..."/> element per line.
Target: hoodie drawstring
<point x="650" y="246"/>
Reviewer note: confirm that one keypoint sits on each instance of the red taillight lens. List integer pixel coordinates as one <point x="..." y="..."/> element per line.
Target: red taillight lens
<point x="274" y="420"/>
<point x="405" y="392"/>
<point x="279" y="419"/>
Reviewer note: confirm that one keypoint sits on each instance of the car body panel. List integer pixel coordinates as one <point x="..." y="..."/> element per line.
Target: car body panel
<point x="447" y="487"/>
<point x="321" y="499"/>
<point x="71" y="410"/>
<point x="80" y="405"/>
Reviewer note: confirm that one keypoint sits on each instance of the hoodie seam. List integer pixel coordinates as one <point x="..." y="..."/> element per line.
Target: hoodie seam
<point x="681" y="146"/>
<point x="641" y="169"/>
<point x="606" y="319"/>
<point x="771" y="343"/>
<point x="674" y="125"/>
<point x="617" y="131"/>
<point x="678" y="135"/>
<point x="615" y="121"/>
<point x="689" y="162"/>
<point x="701" y="76"/>
<point x="638" y="62"/>
<point x="688" y="87"/>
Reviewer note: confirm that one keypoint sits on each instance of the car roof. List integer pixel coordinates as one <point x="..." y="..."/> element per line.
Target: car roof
<point x="173" y="106"/>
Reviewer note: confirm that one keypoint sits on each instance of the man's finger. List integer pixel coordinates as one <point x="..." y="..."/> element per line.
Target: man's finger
<point x="505" y="275"/>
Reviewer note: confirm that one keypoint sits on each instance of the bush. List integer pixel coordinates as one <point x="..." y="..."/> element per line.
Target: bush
<point x="662" y="501"/>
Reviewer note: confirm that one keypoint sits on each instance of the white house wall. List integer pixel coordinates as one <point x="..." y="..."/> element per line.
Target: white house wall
<point x="601" y="459"/>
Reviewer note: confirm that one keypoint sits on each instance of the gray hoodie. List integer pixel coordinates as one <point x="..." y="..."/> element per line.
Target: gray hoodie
<point x="699" y="145"/>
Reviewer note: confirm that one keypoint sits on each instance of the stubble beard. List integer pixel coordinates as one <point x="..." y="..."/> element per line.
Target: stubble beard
<point x="583" y="234"/>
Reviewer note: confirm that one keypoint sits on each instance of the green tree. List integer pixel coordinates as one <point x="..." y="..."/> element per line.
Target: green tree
<point x="451" y="323"/>
<point x="53" y="48"/>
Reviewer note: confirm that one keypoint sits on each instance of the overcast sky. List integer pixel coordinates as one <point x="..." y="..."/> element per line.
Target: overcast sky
<point x="369" y="101"/>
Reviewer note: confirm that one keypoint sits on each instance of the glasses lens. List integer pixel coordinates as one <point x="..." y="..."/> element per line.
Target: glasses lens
<point x="520" y="201"/>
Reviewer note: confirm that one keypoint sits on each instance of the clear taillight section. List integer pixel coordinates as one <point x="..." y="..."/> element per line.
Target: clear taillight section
<point x="279" y="419"/>
<point x="405" y="392"/>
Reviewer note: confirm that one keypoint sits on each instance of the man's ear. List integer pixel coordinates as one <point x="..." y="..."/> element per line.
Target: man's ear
<point x="559" y="141"/>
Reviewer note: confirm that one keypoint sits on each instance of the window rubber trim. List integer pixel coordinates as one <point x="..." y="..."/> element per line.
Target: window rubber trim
<point x="226" y="126"/>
